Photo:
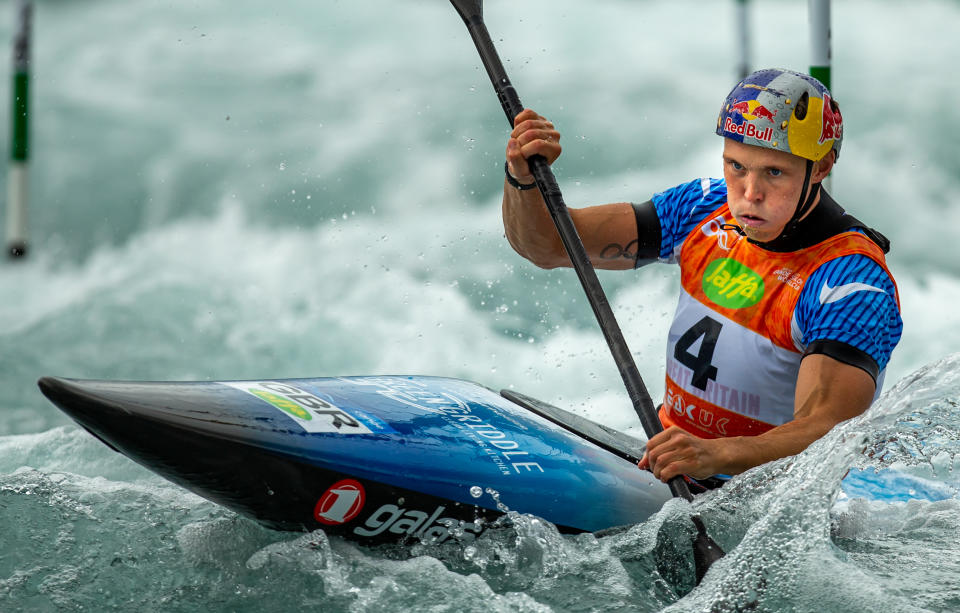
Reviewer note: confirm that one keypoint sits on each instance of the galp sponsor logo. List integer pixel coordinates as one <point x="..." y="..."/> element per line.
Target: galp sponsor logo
<point x="413" y="523"/>
<point x="312" y="413"/>
<point x="340" y="503"/>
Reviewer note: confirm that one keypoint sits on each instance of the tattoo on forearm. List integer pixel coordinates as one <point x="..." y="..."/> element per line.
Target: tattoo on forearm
<point x="614" y="251"/>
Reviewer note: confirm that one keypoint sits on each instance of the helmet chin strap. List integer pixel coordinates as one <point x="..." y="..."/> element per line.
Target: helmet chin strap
<point x="803" y="205"/>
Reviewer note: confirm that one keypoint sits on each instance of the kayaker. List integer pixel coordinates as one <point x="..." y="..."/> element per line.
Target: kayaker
<point x="787" y="315"/>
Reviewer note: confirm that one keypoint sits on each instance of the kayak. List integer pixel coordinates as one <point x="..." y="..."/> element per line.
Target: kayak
<point x="375" y="459"/>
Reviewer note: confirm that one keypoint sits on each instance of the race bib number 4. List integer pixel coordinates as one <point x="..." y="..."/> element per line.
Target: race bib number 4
<point x="707" y="332"/>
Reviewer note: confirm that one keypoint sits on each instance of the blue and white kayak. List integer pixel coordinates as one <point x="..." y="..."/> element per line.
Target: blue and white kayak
<point x="373" y="459"/>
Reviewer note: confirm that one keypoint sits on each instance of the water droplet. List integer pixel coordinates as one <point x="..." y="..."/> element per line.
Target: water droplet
<point x="476" y="491"/>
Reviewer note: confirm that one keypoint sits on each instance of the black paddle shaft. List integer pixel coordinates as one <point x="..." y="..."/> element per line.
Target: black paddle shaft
<point x="705" y="550"/>
<point x="471" y="12"/>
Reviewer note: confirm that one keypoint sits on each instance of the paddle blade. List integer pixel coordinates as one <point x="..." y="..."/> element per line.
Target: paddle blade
<point x="705" y="550"/>
<point x="469" y="9"/>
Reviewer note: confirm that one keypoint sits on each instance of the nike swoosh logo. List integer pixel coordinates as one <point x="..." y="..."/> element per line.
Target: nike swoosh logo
<point x="829" y="294"/>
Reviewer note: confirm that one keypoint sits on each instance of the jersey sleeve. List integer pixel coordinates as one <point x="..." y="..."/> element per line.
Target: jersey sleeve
<point x="848" y="310"/>
<point x="681" y="208"/>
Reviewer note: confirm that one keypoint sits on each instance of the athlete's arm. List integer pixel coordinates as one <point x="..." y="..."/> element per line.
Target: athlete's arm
<point x="608" y="231"/>
<point x="828" y="392"/>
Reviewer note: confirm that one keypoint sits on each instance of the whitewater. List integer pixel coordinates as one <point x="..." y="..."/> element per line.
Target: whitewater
<point x="232" y="190"/>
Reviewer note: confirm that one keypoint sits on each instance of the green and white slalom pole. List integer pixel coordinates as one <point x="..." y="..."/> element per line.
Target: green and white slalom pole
<point x="820" y="40"/>
<point x="19" y="135"/>
<point x="819" y="11"/>
<point x="742" y="18"/>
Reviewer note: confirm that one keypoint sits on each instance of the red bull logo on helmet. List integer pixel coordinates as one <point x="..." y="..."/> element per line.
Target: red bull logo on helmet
<point x="747" y="130"/>
<point x="751" y="109"/>
<point x="832" y="122"/>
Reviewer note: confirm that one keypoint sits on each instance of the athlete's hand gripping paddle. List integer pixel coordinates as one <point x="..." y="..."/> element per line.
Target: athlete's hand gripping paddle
<point x="706" y="551"/>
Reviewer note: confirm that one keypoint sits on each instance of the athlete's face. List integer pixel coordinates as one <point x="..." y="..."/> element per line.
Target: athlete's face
<point x="763" y="186"/>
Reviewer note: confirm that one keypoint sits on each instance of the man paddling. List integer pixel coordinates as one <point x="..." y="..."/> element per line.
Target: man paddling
<point x="787" y="315"/>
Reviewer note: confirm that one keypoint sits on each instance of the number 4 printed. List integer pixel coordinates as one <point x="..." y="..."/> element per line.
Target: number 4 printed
<point x="700" y="364"/>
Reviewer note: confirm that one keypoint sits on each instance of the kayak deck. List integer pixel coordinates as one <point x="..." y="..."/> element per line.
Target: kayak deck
<point x="375" y="459"/>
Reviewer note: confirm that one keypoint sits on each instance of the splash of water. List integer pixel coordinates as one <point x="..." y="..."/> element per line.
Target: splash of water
<point x="791" y="547"/>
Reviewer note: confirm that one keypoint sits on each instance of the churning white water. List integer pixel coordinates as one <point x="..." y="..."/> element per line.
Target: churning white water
<point x="231" y="190"/>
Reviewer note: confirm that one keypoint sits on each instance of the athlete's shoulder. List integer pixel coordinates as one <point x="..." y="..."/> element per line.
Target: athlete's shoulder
<point x="682" y="207"/>
<point x="851" y="299"/>
<point x="698" y="193"/>
<point x="838" y="278"/>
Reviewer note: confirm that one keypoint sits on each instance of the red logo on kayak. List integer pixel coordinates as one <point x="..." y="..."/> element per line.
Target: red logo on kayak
<point x="340" y="503"/>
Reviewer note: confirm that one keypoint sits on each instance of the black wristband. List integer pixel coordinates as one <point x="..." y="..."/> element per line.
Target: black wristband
<point x="514" y="182"/>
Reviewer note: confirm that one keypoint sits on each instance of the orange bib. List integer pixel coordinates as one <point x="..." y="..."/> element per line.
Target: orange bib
<point x="734" y="349"/>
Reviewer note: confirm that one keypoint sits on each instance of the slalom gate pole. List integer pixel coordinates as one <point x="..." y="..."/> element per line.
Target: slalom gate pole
<point x="819" y="15"/>
<point x="19" y="135"/>
<point x="742" y="17"/>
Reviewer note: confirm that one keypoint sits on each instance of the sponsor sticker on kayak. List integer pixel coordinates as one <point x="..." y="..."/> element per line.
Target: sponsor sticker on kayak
<point x="340" y="503"/>
<point x="430" y="527"/>
<point x="312" y="413"/>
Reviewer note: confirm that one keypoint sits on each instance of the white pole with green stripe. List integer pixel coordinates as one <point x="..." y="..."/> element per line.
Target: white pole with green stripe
<point x="819" y="11"/>
<point x="743" y="38"/>
<point x="820" y="40"/>
<point x="19" y="135"/>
